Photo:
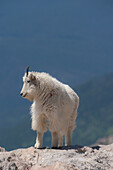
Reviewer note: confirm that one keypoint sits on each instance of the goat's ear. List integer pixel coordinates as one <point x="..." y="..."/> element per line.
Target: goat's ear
<point x="32" y="77"/>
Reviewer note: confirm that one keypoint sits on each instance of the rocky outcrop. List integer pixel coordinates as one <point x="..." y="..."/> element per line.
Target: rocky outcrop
<point x="105" y="141"/>
<point x="65" y="158"/>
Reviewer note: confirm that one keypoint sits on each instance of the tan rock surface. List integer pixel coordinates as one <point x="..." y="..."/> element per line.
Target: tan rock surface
<point x="65" y="158"/>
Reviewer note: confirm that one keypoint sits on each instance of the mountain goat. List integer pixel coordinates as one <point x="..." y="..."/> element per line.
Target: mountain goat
<point x="54" y="106"/>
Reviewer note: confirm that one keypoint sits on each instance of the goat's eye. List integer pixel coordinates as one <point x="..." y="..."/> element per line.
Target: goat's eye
<point x="28" y="81"/>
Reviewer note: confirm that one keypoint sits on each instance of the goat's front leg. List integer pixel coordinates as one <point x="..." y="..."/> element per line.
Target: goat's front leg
<point x="54" y="139"/>
<point x="39" y="140"/>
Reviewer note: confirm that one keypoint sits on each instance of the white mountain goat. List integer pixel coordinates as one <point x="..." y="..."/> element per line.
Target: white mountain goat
<point x="54" y="106"/>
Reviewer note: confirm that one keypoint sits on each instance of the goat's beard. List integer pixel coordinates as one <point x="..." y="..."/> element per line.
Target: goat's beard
<point x="29" y="97"/>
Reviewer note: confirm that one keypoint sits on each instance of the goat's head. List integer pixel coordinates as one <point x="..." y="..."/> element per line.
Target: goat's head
<point x="29" y="87"/>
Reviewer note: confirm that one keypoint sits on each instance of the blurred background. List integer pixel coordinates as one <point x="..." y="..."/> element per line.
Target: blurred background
<point x="73" y="41"/>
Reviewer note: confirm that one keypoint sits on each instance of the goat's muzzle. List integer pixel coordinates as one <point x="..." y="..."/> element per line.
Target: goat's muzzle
<point x="23" y="94"/>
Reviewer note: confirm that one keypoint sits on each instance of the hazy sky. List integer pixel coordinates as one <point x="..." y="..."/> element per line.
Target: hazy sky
<point x="72" y="40"/>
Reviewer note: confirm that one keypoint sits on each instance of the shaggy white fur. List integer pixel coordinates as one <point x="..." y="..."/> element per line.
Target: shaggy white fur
<point x="54" y="106"/>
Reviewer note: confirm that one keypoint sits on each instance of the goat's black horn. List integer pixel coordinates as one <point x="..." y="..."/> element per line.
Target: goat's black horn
<point x="26" y="70"/>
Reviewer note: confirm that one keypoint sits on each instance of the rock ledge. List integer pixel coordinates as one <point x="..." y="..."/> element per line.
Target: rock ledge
<point x="65" y="158"/>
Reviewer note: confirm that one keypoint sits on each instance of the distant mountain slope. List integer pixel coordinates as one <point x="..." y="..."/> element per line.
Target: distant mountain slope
<point x="95" y="118"/>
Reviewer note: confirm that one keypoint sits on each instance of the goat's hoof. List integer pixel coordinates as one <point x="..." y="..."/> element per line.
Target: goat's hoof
<point x="37" y="146"/>
<point x="60" y="147"/>
<point x="54" y="147"/>
<point x="47" y="147"/>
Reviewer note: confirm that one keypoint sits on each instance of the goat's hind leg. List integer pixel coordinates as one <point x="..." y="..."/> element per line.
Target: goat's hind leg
<point x="54" y="139"/>
<point x="68" y="137"/>
<point x="71" y="127"/>
<point x="60" y="140"/>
